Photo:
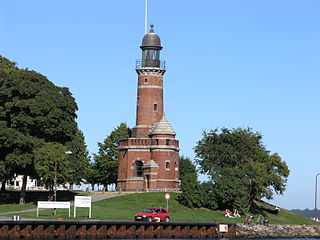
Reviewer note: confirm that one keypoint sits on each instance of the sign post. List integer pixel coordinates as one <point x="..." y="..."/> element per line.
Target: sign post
<point x="223" y="228"/>
<point x="167" y="197"/>
<point x="81" y="201"/>
<point x="54" y="205"/>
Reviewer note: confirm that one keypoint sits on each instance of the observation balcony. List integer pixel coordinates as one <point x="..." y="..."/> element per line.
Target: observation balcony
<point x="150" y="63"/>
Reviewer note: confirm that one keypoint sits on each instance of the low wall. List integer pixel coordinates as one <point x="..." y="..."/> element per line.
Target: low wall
<point x="103" y="229"/>
<point x="38" y="229"/>
<point x="277" y="231"/>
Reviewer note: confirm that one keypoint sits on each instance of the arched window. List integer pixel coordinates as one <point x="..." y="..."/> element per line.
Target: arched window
<point x="139" y="168"/>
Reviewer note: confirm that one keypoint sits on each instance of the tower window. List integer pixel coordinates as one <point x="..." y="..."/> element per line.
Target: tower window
<point x="167" y="141"/>
<point x="139" y="168"/>
<point x="145" y="80"/>
<point x="167" y="165"/>
<point x="155" y="107"/>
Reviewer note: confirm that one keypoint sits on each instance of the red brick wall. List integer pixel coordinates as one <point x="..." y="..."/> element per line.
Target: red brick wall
<point x="160" y="154"/>
<point x="143" y="148"/>
<point x="161" y="157"/>
<point x="150" y="92"/>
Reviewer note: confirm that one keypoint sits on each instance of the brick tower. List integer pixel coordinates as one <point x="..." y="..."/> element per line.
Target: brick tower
<point x="149" y="159"/>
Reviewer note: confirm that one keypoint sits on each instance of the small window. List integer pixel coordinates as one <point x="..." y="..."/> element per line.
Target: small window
<point x="145" y="80"/>
<point x="167" y="164"/>
<point x="167" y="141"/>
<point x="139" y="168"/>
<point x="155" y="107"/>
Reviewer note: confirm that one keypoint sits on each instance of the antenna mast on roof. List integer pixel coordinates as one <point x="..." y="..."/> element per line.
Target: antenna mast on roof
<point x="146" y="18"/>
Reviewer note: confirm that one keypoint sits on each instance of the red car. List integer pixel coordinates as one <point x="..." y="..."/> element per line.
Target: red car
<point x="153" y="214"/>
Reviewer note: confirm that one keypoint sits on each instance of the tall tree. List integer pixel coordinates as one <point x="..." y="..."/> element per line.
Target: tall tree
<point x="79" y="159"/>
<point x="33" y="109"/>
<point x="240" y="167"/>
<point x="191" y="193"/>
<point x="107" y="157"/>
<point x="92" y="174"/>
<point x="51" y="165"/>
<point x="14" y="152"/>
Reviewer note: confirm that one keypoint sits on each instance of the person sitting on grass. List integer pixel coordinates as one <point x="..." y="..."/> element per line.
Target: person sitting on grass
<point x="249" y="220"/>
<point x="236" y="213"/>
<point x="276" y="210"/>
<point x="227" y="213"/>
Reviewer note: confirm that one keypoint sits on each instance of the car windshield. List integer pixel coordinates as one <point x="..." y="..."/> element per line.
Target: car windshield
<point x="148" y="210"/>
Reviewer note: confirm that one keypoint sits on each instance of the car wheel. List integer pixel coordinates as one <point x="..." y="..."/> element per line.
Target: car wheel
<point x="149" y="219"/>
<point x="167" y="219"/>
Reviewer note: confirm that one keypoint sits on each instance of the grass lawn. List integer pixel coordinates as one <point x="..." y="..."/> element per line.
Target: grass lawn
<point x="9" y="200"/>
<point x="123" y="208"/>
<point x="16" y="207"/>
<point x="286" y="216"/>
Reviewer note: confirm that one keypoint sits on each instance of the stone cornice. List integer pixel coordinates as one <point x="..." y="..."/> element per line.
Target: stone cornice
<point x="150" y="71"/>
<point x="150" y="147"/>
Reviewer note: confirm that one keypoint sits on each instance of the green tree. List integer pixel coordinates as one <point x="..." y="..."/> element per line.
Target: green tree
<point x="209" y="196"/>
<point x="191" y="195"/>
<point x="107" y="157"/>
<point x="92" y="174"/>
<point x="14" y="152"/>
<point x="52" y="166"/>
<point x="240" y="167"/>
<point x="32" y="111"/>
<point x="79" y="159"/>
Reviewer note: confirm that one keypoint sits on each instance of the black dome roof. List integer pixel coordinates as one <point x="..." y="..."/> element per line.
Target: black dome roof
<point x="151" y="40"/>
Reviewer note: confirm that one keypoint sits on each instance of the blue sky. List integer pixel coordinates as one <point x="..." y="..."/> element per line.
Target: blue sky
<point x="230" y="64"/>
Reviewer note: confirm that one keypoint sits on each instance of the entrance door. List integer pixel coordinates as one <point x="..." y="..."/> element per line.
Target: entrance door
<point x="148" y="181"/>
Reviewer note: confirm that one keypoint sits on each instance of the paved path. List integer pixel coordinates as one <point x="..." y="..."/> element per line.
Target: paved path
<point x="98" y="196"/>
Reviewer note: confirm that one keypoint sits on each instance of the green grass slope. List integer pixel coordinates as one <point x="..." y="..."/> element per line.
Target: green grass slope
<point x="16" y="207"/>
<point x="284" y="216"/>
<point x="123" y="208"/>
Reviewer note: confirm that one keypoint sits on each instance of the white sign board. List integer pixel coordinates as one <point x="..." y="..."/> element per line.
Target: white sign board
<point x="223" y="227"/>
<point x="43" y="204"/>
<point x="167" y="196"/>
<point x="82" y="201"/>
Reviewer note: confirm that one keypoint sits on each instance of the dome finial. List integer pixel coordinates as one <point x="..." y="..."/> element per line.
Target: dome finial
<point x="151" y="27"/>
<point x="151" y="40"/>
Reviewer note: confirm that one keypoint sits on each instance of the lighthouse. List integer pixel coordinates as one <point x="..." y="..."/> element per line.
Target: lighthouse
<point x="149" y="159"/>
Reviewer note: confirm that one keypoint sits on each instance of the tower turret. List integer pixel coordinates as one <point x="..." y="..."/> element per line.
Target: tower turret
<point x="149" y="159"/>
<point x="151" y="46"/>
<point x="150" y="85"/>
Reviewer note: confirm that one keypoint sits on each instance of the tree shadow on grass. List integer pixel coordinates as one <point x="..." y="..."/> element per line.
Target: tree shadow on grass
<point x="262" y="208"/>
<point x="9" y="197"/>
